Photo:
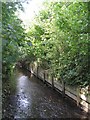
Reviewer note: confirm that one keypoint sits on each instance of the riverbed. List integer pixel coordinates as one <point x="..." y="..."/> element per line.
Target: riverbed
<point x="28" y="97"/>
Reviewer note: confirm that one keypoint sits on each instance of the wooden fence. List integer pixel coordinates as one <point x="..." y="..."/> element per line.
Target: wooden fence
<point x="80" y="95"/>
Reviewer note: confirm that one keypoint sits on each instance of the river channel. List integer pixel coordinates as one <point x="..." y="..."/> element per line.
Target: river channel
<point x="28" y="97"/>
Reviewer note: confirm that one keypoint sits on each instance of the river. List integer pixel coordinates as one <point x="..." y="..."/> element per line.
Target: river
<point x="31" y="98"/>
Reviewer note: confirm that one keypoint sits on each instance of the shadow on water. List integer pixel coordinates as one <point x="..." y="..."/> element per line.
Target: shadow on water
<point x="33" y="99"/>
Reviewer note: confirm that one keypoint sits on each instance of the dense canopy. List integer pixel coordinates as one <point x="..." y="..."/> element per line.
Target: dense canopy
<point x="59" y="39"/>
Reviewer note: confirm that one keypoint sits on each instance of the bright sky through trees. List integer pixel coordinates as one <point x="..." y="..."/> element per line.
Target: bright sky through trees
<point x="30" y="10"/>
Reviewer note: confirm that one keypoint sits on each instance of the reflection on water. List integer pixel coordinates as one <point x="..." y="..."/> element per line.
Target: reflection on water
<point x="33" y="99"/>
<point x="23" y="97"/>
<point x="21" y="81"/>
<point x="24" y="102"/>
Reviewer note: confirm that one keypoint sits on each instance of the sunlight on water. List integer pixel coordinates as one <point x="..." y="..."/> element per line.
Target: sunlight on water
<point x="23" y="101"/>
<point x="23" y="78"/>
<point x="21" y="81"/>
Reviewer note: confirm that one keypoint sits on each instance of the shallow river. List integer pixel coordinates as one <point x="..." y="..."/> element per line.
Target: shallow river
<point x="33" y="99"/>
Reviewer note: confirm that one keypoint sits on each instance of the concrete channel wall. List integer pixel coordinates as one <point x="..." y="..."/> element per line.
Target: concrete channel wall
<point x="80" y="95"/>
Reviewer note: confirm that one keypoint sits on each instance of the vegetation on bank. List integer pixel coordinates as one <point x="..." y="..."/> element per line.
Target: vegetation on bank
<point x="13" y="37"/>
<point x="58" y="40"/>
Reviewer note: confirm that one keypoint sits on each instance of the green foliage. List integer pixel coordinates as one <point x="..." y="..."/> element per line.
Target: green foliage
<point x="12" y="36"/>
<point x="60" y="41"/>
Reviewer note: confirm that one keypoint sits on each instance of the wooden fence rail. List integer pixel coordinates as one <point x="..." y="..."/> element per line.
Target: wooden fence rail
<point x="80" y="95"/>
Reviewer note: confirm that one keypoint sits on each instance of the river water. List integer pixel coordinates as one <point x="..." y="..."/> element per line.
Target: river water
<point x="31" y="98"/>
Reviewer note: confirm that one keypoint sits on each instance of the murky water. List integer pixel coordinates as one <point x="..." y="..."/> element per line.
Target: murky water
<point x="33" y="99"/>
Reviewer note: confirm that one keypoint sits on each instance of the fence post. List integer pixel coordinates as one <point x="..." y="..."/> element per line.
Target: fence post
<point x="28" y="66"/>
<point x="37" y="70"/>
<point x="88" y="100"/>
<point x="31" y="68"/>
<point x="78" y="96"/>
<point x="52" y="82"/>
<point x="63" y="88"/>
<point x="47" y="76"/>
<point x="44" y="76"/>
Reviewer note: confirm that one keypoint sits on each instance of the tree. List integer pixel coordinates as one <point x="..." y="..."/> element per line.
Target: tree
<point x="63" y="44"/>
<point x="13" y="35"/>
